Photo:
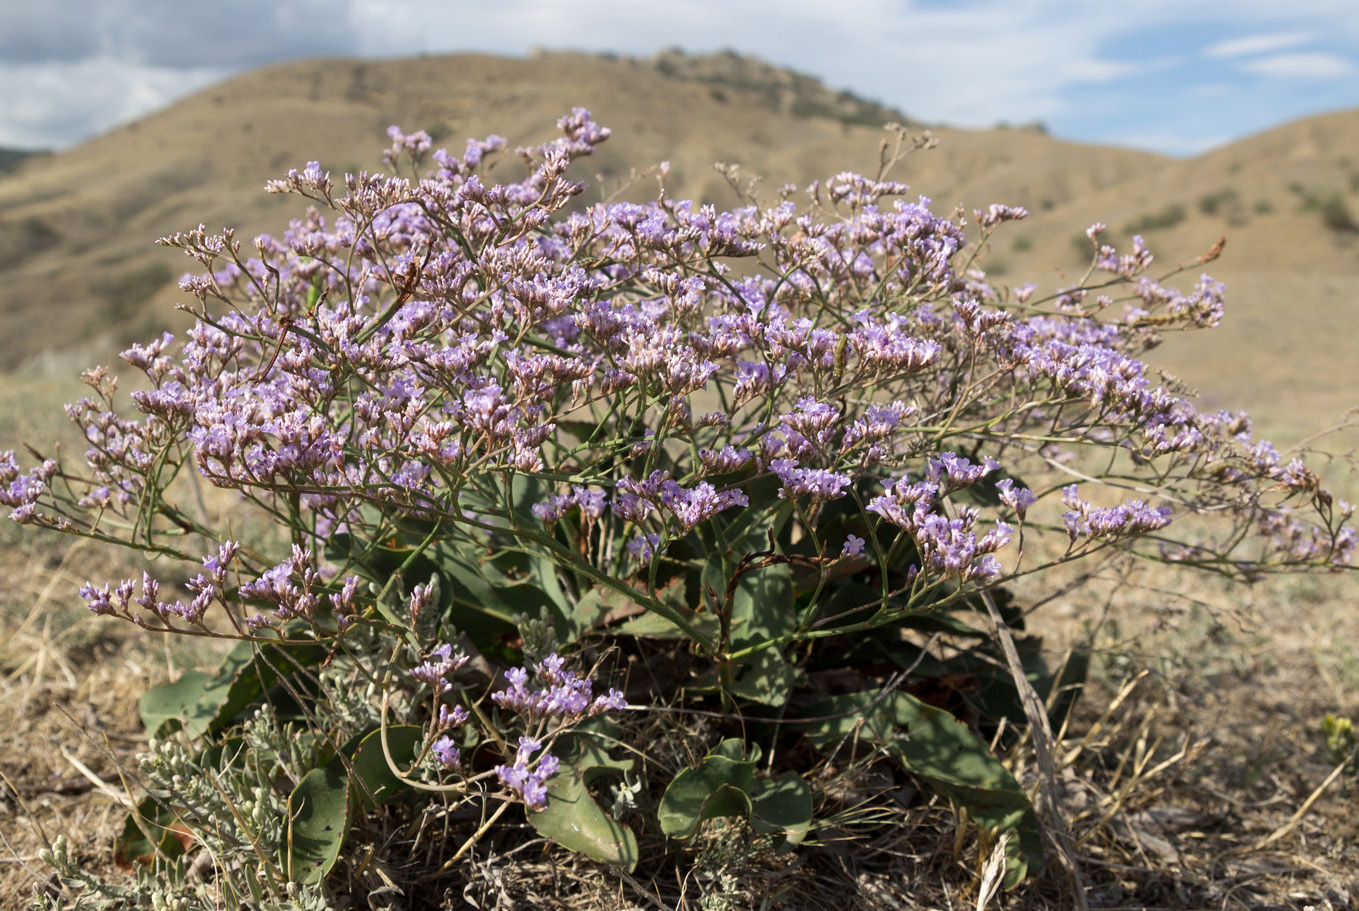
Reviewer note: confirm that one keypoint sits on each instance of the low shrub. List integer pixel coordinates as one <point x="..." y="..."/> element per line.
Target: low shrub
<point x="620" y="520"/>
<point x="1168" y="217"/>
<point x="1337" y="216"/>
<point x="1220" y="202"/>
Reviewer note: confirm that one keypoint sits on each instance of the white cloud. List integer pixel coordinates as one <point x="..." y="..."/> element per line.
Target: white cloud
<point x="56" y="104"/>
<point x="970" y="64"/>
<point x="1302" y="66"/>
<point x="1259" y="44"/>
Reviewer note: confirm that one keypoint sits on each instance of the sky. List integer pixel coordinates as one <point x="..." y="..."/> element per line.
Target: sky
<point x="1173" y="76"/>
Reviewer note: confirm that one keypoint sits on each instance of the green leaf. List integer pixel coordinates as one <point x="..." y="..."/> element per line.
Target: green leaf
<point x="940" y="750"/>
<point x="766" y="677"/>
<point x="177" y="702"/>
<point x="572" y="818"/>
<point x="657" y="627"/>
<point x="201" y="703"/>
<point x="318" y="821"/>
<point x="373" y="779"/>
<point x="677" y="593"/>
<point x="725" y="784"/>
<point x="762" y="605"/>
<point x="782" y="807"/>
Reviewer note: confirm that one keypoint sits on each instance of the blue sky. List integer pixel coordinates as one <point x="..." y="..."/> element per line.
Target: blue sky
<point x="1166" y="75"/>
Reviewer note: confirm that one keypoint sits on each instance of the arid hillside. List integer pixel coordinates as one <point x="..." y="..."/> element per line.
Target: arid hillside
<point x="81" y="273"/>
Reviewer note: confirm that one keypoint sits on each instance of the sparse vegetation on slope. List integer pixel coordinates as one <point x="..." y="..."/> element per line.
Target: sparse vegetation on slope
<point x="781" y="89"/>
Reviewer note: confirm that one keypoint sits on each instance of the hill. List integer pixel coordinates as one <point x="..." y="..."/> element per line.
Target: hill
<point x="11" y="157"/>
<point x="80" y="273"/>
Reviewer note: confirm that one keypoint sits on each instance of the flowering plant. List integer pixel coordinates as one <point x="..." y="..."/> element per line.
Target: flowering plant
<point x="783" y="452"/>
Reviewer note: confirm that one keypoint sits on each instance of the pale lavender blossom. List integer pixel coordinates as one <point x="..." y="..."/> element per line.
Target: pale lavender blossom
<point x="446" y="753"/>
<point x="643" y="546"/>
<point x="951" y="472"/>
<point x="452" y="716"/>
<point x="1129" y="519"/>
<point x="1017" y="498"/>
<point x="528" y="778"/>
<point x="23" y="490"/>
<point x="725" y="461"/>
<point x="563" y="695"/>
<point x="816" y="484"/>
<point x="442" y="665"/>
<point x="592" y="504"/>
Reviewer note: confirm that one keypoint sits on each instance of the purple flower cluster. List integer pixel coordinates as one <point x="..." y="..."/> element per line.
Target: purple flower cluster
<point x="1126" y="520"/>
<point x="22" y="490"/>
<point x="636" y="499"/>
<point x="208" y="587"/>
<point x="816" y="484"/>
<point x="564" y="695"/>
<point x="1300" y="542"/>
<point x="528" y="777"/>
<point x="948" y="547"/>
<point x="293" y="586"/>
<point x="435" y="673"/>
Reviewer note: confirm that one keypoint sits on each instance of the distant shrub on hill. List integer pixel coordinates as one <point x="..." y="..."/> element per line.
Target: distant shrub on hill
<point x="1168" y="217"/>
<point x="780" y="89"/>
<point x="11" y="157"/>
<point x="1221" y="201"/>
<point x="1337" y="215"/>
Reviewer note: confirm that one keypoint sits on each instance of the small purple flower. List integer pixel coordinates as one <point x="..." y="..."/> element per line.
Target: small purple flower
<point x="591" y="503"/>
<point x="956" y="472"/>
<point x="343" y="600"/>
<point x="1130" y="519"/>
<point x="1017" y="498"/>
<point x="612" y="701"/>
<point x="452" y="716"/>
<point x="643" y="546"/>
<point x="816" y="484"/>
<point x="998" y="213"/>
<point x="729" y="459"/>
<point x="435" y="672"/>
<point x="217" y="565"/>
<point x="446" y="753"/>
<point x="529" y="783"/>
<point x="23" y="490"/>
<point x="854" y="547"/>
<point x="99" y="600"/>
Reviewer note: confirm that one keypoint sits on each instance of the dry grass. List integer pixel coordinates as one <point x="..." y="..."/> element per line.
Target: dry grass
<point x="68" y="712"/>
<point x="1193" y="774"/>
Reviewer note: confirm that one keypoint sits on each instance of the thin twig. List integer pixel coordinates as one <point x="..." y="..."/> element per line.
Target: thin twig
<point x="1041" y="732"/>
<point x="1302" y="810"/>
<point x="100" y="784"/>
